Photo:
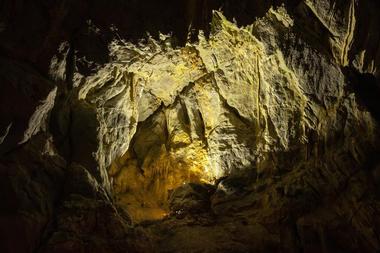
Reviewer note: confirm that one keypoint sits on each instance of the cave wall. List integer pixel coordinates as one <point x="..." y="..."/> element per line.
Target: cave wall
<point x="278" y="111"/>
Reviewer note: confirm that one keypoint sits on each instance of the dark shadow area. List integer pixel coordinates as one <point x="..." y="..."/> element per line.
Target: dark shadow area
<point x="31" y="31"/>
<point x="367" y="90"/>
<point x="135" y="19"/>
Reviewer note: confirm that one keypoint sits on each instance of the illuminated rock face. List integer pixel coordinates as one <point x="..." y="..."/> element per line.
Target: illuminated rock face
<point x="256" y="138"/>
<point x="232" y="104"/>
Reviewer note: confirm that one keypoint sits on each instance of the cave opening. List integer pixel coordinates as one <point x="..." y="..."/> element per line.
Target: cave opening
<point x="159" y="162"/>
<point x="367" y="89"/>
<point x="145" y="193"/>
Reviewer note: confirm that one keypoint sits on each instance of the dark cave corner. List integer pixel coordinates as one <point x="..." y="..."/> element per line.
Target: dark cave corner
<point x="249" y="126"/>
<point x="366" y="88"/>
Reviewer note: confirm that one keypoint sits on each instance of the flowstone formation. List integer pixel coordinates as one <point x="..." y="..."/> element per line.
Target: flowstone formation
<point x="230" y="105"/>
<point x="252" y="135"/>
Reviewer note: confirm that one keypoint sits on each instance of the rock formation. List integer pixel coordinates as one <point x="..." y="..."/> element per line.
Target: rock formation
<point x="190" y="126"/>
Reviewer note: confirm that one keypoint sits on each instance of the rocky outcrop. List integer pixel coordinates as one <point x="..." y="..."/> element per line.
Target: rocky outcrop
<point x="259" y="135"/>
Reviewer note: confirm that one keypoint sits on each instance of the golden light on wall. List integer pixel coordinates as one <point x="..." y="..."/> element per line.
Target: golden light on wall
<point x="143" y="189"/>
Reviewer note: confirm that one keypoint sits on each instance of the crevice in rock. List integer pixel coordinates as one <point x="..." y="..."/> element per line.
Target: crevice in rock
<point x="70" y="66"/>
<point x="367" y="90"/>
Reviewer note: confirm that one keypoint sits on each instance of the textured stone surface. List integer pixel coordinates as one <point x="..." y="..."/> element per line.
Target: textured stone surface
<point x="231" y="138"/>
<point x="26" y="101"/>
<point x="31" y="182"/>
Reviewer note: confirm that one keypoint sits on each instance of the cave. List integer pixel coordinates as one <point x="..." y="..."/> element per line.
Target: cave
<point x="189" y="126"/>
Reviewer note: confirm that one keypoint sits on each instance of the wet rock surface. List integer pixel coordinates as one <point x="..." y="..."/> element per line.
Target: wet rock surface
<point x="207" y="135"/>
